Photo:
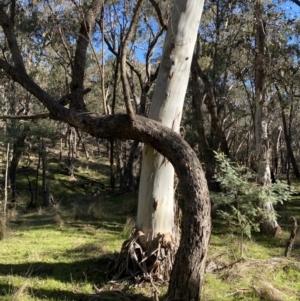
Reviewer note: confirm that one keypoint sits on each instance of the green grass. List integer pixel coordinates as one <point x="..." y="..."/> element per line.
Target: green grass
<point x="61" y="253"/>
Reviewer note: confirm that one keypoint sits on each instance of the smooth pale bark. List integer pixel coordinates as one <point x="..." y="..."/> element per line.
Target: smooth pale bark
<point x="156" y="191"/>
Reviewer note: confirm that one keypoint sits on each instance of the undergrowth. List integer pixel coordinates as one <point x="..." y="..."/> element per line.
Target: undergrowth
<point x="62" y="252"/>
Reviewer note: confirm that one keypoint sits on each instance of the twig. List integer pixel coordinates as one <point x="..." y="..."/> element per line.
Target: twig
<point x="77" y="207"/>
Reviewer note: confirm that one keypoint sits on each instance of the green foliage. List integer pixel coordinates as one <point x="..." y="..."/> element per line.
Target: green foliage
<point x="245" y="197"/>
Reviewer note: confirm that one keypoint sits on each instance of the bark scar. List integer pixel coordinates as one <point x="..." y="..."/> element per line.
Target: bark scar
<point x="155" y="203"/>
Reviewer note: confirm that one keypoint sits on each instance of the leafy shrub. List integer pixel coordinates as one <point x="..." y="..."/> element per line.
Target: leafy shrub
<point x="245" y="198"/>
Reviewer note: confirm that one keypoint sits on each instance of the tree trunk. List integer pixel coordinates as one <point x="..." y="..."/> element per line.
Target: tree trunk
<point x="71" y="153"/>
<point x="212" y="107"/>
<point x="276" y="148"/>
<point x="287" y="135"/>
<point x="130" y="175"/>
<point x="204" y="148"/>
<point x="18" y="148"/>
<point x="111" y="164"/>
<point x="44" y="172"/>
<point x="268" y="225"/>
<point x="156" y="192"/>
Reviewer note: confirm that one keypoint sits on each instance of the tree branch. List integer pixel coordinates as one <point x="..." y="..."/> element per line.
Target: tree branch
<point x="13" y="11"/>
<point x="25" y="117"/>
<point x="8" y="28"/>
<point x="129" y="34"/>
<point x="297" y="2"/>
<point x="64" y="100"/>
<point x="79" y="63"/>
<point x="27" y="83"/>
<point x="159" y="14"/>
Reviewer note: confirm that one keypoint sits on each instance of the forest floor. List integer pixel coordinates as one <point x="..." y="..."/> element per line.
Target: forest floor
<point x="62" y="252"/>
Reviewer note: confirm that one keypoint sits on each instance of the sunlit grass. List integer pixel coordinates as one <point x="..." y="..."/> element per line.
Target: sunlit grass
<point x="61" y="253"/>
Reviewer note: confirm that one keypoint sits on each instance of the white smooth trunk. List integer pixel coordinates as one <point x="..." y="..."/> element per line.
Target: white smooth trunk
<point x="156" y="195"/>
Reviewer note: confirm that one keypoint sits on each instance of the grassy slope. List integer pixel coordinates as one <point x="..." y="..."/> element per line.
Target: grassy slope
<point x="62" y="252"/>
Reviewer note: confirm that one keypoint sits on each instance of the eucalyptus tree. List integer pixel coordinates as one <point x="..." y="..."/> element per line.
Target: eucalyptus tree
<point x="156" y="193"/>
<point x="188" y="271"/>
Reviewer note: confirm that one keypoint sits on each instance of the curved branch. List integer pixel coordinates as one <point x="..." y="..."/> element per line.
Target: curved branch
<point x="8" y="28"/>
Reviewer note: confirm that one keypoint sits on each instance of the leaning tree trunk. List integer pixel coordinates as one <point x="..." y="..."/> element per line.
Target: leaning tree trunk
<point x="156" y="192"/>
<point x="269" y="225"/>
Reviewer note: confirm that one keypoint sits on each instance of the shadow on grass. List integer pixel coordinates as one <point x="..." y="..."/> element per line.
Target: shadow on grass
<point x="91" y="272"/>
<point x="59" y="294"/>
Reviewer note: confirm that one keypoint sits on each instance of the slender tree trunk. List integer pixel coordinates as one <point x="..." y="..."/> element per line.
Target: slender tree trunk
<point x="204" y="148"/>
<point x="276" y="148"/>
<point x="111" y="164"/>
<point x="18" y="148"/>
<point x="262" y="145"/>
<point x="5" y="182"/>
<point x="71" y="153"/>
<point x="211" y="104"/>
<point x="131" y="170"/>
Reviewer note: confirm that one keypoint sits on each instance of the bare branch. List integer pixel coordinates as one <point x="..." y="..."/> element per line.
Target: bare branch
<point x="65" y="46"/>
<point x="64" y="100"/>
<point x="83" y="42"/>
<point x="27" y="83"/>
<point x="297" y="2"/>
<point x="125" y="83"/>
<point x="159" y="14"/>
<point x="150" y="51"/>
<point x="8" y="28"/>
